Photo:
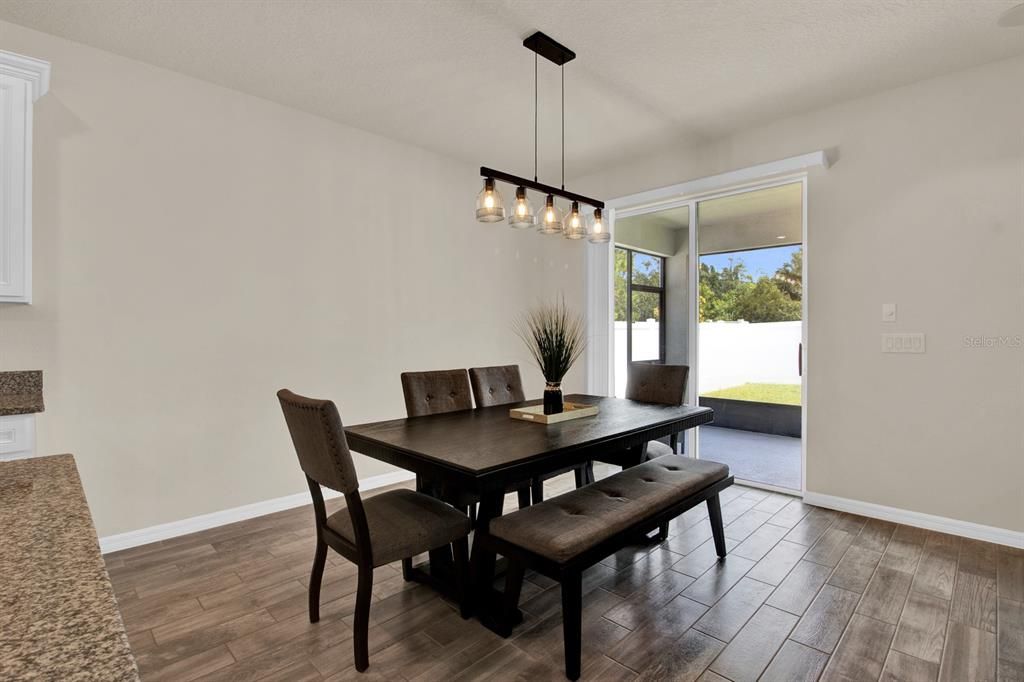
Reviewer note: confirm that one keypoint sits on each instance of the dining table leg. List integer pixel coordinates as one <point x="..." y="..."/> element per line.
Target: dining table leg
<point x="634" y="455"/>
<point x="490" y="607"/>
<point x="439" y="571"/>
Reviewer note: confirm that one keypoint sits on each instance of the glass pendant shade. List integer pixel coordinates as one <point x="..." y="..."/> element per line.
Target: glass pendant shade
<point x="522" y="212"/>
<point x="573" y="227"/>
<point x="550" y="217"/>
<point x="597" y="232"/>
<point x="490" y="207"/>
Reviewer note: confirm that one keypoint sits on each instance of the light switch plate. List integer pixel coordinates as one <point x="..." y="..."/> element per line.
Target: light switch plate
<point x="903" y="343"/>
<point x="888" y="312"/>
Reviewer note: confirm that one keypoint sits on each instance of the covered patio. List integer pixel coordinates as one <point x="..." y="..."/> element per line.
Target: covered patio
<point x="758" y="457"/>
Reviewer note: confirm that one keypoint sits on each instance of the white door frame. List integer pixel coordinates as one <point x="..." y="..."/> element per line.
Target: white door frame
<point x="599" y="265"/>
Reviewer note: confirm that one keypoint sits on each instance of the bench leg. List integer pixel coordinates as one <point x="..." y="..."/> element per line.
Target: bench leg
<point x="717" y="530"/>
<point x="572" y="622"/>
<point x="673" y="441"/>
<point x="663" y="532"/>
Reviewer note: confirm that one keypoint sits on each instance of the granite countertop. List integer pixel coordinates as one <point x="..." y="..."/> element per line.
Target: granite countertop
<point x="21" y="392"/>
<point x="58" y="614"/>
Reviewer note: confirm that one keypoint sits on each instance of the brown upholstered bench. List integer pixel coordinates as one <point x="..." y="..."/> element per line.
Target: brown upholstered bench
<point x="563" y="536"/>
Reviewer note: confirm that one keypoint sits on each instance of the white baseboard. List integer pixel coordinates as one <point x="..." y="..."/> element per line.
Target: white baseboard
<point x="144" y="536"/>
<point x="975" y="531"/>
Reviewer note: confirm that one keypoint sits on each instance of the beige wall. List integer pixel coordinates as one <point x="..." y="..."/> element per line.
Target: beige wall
<point x="924" y="207"/>
<point x="196" y="249"/>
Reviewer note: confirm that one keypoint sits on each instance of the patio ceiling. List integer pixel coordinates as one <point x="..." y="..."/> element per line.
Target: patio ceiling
<point x="758" y="219"/>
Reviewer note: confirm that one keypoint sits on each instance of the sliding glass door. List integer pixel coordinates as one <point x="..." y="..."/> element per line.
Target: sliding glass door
<point x="716" y="283"/>
<point x="750" y="332"/>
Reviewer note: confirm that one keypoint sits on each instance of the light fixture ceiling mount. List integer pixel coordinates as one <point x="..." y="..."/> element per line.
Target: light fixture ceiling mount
<point x="489" y="207"/>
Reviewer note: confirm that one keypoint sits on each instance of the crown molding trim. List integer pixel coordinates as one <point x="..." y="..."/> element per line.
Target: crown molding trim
<point x="35" y="71"/>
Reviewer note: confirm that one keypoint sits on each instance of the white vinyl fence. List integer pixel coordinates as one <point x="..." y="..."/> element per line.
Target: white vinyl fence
<point x="731" y="353"/>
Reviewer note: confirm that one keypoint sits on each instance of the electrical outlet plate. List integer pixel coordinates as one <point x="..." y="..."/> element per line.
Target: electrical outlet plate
<point x="903" y="343"/>
<point x="888" y="312"/>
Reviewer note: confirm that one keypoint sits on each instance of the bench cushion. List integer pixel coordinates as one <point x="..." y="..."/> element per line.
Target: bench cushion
<point x="565" y="526"/>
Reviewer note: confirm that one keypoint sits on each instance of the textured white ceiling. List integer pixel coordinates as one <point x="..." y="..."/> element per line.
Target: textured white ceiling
<point x="452" y="76"/>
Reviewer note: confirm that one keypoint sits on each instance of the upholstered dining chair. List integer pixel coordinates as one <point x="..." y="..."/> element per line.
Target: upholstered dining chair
<point x="661" y="384"/>
<point x="386" y="527"/>
<point x="503" y="385"/>
<point x="437" y="392"/>
<point x="649" y="382"/>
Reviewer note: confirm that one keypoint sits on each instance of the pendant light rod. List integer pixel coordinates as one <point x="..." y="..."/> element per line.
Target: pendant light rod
<point x="535" y="117"/>
<point x="562" y="69"/>
<point x="539" y="186"/>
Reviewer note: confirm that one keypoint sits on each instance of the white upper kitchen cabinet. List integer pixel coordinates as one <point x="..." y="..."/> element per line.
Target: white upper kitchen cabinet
<point x="23" y="80"/>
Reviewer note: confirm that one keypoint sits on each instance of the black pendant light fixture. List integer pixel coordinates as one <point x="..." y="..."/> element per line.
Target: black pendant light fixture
<point x="489" y="206"/>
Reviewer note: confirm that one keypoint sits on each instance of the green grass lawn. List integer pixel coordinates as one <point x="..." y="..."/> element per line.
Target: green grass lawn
<point x="783" y="394"/>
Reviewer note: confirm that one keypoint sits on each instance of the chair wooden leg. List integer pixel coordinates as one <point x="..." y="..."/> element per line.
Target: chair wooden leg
<point x="470" y="511"/>
<point x="524" y="497"/>
<point x="537" y="489"/>
<point x="460" y="549"/>
<point x="316" y="577"/>
<point x="572" y="622"/>
<point x="717" y="529"/>
<point x="361" y="627"/>
<point x="588" y="473"/>
<point x="580" y="473"/>
<point x="407" y="569"/>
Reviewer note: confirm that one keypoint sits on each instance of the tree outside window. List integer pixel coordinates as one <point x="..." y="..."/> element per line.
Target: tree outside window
<point x="731" y="293"/>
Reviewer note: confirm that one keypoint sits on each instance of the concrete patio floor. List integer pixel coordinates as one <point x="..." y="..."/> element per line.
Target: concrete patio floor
<point x="756" y="457"/>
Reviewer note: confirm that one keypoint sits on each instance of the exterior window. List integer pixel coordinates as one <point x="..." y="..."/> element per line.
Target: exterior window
<point x="640" y="304"/>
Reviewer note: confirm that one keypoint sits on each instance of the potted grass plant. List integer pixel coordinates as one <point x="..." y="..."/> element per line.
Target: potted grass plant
<point x="554" y="335"/>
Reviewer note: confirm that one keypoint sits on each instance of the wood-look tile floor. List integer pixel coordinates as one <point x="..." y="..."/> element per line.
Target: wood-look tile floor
<point x="805" y="593"/>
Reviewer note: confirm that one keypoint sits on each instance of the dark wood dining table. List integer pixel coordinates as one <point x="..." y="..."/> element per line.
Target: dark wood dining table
<point x="484" y="451"/>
